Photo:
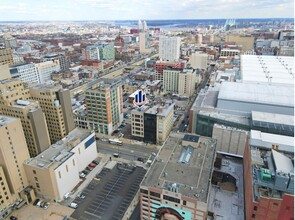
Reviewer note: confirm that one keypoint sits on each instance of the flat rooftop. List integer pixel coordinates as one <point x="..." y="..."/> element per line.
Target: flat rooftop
<point x="46" y="86"/>
<point x="160" y="109"/>
<point x="273" y="118"/>
<point x="279" y="95"/>
<point x="267" y="69"/>
<point x="192" y="177"/>
<point x="59" y="152"/>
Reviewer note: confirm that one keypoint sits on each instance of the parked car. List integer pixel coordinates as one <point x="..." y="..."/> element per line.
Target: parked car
<point x="95" y="162"/>
<point x="82" y="175"/>
<point x="92" y="165"/>
<point x="86" y="172"/>
<point x="81" y="196"/>
<point x="36" y="201"/>
<point x="13" y="218"/>
<point x="46" y="205"/>
<point x="89" y="168"/>
<point x="140" y="159"/>
<point x="73" y="205"/>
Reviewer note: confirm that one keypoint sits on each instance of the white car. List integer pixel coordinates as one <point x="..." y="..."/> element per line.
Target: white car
<point x="73" y="205"/>
<point x="82" y="175"/>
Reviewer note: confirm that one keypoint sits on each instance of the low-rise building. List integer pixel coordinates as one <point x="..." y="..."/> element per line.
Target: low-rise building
<point x="55" y="172"/>
<point x="179" y="179"/>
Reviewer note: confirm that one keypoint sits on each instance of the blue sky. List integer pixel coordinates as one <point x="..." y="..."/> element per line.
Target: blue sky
<point x="14" y="10"/>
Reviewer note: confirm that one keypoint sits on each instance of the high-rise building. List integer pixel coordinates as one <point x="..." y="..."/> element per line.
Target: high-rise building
<point x="105" y="106"/>
<point x="56" y="104"/>
<point x="14" y="101"/>
<point x="45" y="69"/>
<point x="99" y="51"/>
<point x="13" y="153"/>
<point x="161" y="65"/>
<point x="6" y="56"/>
<point x="144" y="43"/>
<point x="5" y="194"/>
<point x="269" y="176"/>
<point x="27" y="73"/>
<point x="179" y="178"/>
<point x="55" y="172"/>
<point x="152" y="124"/>
<point x="169" y="48"/>
<point x="179" y="81"/>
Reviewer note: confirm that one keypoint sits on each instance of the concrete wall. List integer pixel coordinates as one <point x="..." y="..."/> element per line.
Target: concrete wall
<point x="229" y="140"/>
<point x="66" y="105"/>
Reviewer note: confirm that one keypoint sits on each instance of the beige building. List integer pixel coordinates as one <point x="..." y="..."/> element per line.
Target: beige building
<point x="55" y="172"/>
<point x="198" y="60"/>
<point x="4" y="72"/>
<point x="13" y="152"/>
<point x="137" y="122"/>
<point x="144" y="47"/>
<point x="246" y="42"/>
<point x="14" y="102"/>
<point x="179" y="178"/>
<point x="5" y="195"/>
<point x="179" y="81"/>
<point x="6" y="56"/>
<point x="229" y="52"/>
<point x="56" y="104"/>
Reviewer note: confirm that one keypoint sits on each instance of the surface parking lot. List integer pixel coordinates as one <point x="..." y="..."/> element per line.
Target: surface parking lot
<point x="110" y="193"/>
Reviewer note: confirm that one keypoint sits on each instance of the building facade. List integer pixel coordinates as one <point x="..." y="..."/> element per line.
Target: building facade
<point x="27" y="73"/>
<point x="104" y="106"/>
<point x="13" y="153"/>
<point x="198" y="60"/>
<point x="169" y="48"/>
<point x="55" y="172"/>
<point x="6" y="56"/>
<point x="56" y="104"/>
<point x="45" y="69"/>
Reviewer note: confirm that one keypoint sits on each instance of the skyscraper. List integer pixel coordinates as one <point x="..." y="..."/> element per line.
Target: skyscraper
<point x="105" y="106"/>
<point x="13" y="153"/>
<point x="14" y="101"/>
<point x="169" y="48"/>
<point x="56" y="104"/>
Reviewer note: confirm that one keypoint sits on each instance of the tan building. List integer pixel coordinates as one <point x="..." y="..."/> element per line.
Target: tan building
<point x="198" y="60"/>
<point x="14" y="102"/>
<point x="6" y="56"/>
<point x="247" y="42"/>
<point x="144" y="47"/>
<point x="5" y="195"/>
<point x="104" y="105"/>
<point x="55" y="172"/>
<point x="4" y="72"/>
<point x="13" y="152"/>
<point x="229" y="52"/>
<point x="152" y="124"/>
<point x="179" y="178"/>
<point x="56" y="104"/>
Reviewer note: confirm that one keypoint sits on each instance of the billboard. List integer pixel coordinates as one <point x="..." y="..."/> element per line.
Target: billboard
<point x="161" y="211"/>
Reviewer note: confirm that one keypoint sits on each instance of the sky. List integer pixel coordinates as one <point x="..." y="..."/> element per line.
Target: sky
<point x="52" y="10"/>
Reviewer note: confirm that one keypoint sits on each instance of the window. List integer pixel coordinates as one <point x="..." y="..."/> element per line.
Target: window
<point x="171" y="199"/>
<point x="253" y="216"/>
<point x="59" y="175"/>
<point x="255" y="208"/>
<point x="184" y="202"/>
<point x="34" y="171"/>
<point x="155" y="194"/>
<point x="73" y="162"/>
<point x="276" y="204"/>
<point x="144" y="191"/>
<point x="67" y="169"/>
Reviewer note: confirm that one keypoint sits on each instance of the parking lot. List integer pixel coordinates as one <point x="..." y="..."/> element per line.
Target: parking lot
<point x="110" y="193"/>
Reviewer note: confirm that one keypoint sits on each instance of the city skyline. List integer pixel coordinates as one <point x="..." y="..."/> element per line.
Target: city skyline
<point x="67" y="10"/>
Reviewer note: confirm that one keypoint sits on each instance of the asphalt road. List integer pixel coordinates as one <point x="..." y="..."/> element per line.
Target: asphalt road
<point x="129" y="152"/>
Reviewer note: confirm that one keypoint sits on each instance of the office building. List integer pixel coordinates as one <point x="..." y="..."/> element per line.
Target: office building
<point x="99" y="51"/>
<point x="169" y="48"/>
<point x="5" y="194"/>
<point x="152" y="124"/>
<point x="13" y="152"/>
<point x="55" y="172"/>
<point x="104" y="104"/>
<point x="45" y="69"/>
<point x="168" y="184"/>
<point x="269" y="177"/>
<point x="90" y="53"/>
<point x="198" y="60"/>
<point x="224" y="53"/>
<point x="179" y="81"/>
<point x="27" y="73"/>
<point x="14" y="102"/>
<point x="144" y="43"/>
<point x="243" y="41"/>
<point x="6" y="56"/>
<point x="62" y="59"/>
<point x="56" y="104"/>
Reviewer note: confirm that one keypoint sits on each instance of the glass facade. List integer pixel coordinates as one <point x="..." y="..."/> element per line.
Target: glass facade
<point x="150" y="128"/>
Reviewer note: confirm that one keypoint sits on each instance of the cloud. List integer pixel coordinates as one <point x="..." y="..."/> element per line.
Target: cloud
<point x="148" y="9"/>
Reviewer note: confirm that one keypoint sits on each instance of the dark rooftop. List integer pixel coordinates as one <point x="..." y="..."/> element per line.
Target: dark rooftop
<point x="191" y="138"/>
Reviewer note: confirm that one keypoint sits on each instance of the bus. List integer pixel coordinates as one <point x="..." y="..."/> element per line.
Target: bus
<point x="115" y="141"/>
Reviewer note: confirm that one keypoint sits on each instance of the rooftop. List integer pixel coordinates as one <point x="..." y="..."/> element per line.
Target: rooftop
<point x="192" y="176"/>
<point x="59" y="152"/>
<point x="273" y="118"/>
<point x="4" y="120"/>
<point x="161" y="110"/>
<point x="267" y="69"/>
<point x="46" y="86"/>
<point x="280" y="95"/>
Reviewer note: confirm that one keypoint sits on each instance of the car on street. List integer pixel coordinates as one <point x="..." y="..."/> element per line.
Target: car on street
<point x="92" y="165"/>
<point x="95" y="162"/>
